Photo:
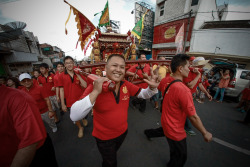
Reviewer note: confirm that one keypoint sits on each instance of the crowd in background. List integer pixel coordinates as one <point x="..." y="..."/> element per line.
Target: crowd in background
<point x="56" y="90"/>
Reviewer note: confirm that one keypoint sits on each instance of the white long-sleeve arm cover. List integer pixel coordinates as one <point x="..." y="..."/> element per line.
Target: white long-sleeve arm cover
<point x="80" y="109"/>
<point x="147" y="93"/>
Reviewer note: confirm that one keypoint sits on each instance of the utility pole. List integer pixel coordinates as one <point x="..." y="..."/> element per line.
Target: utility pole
<point x="184" y="46"/>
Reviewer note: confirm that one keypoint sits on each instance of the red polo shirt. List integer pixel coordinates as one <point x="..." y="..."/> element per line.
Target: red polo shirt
<point x="56" y="79"/>
<point x="177" y="105"/>
<point x="47" y="83"/>
<point x="21" y="123"/>
<point x="111" y="111"/>
<point x="71" y="86"/>
<point x="38" y="94"/>
<point x="35" y="81"/>
<point x="164" y="83"/>
<point x="191" y="77"/>
<point x="146" y="70"/>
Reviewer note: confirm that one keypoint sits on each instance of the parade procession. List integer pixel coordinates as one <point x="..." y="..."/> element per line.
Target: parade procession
<point x="170" y="91"/>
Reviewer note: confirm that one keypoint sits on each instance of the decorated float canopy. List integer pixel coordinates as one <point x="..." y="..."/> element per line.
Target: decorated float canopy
<point x="113" y="43"/>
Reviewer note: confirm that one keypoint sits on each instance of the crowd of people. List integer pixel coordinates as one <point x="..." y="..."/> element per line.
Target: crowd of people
<point x="44" y="95"/>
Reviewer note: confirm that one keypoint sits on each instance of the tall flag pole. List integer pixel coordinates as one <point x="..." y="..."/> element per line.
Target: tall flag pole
<point x="137" y="30"/>
<point x="85" y="27"/>
<point x="179" y="40"/>
<point x="104" y="19"/>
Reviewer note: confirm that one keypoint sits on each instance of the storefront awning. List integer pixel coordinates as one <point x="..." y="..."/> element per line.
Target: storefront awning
<point x="212" y="55"/>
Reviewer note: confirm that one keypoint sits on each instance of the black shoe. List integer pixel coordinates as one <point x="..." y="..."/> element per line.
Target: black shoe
<point x="147" y="135"/>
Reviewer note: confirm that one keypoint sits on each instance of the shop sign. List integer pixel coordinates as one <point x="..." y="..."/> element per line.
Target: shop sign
<point x="170" y="32"/>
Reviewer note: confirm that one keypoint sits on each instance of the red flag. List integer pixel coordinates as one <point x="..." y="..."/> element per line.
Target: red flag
<point x="85" y="28"/>
<point x="179" y="40"/>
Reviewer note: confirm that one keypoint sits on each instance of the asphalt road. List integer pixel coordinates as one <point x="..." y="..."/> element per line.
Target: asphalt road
<point x="137" y="151"/>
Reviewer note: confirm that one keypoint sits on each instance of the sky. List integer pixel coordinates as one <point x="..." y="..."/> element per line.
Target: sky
<point x="46" y="18"/>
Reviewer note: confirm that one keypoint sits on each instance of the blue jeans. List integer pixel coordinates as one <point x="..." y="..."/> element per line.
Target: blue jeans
<point x="221" y="90"/>
<point x="156" y="96"/>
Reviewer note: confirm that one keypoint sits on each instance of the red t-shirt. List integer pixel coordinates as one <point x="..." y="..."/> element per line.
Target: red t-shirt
<point x="111" y="111"/>
<point x="47" y="83"/>
<point x="146" y="70"/>
<point x="246" y="94"/>
<point x="21" y="123"/>
<point x="38" y="94"/>
<point x="177" y="105"/>
<point x="191" y="77"/>
<point x="164" y="83"/>
<point x="35" y="81"/>
<point x="56" y="80"/>
<point x="205" y="84"/>
<point x="71" y="86"/>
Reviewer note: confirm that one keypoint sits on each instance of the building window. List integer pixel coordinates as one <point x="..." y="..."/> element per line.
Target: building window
<point x="194" y="2"/>
<point x="162" y="9"/>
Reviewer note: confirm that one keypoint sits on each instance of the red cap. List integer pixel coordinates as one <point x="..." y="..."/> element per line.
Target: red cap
<point x="192" y="58"/>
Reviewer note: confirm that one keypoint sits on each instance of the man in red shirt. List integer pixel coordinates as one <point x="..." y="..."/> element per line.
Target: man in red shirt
<point x="138" y="72"/>
<point x="36" y="74"/>
<point x="38" y="94"/>
<point x="46" y="80"/>
<point x="72" y="86"/>
<point x="177" y="106"/>
<point x="22" y="131"/>
<point x="111" y="107"/>
<point x="193" y="81"/>
<point x="59" y="70"/>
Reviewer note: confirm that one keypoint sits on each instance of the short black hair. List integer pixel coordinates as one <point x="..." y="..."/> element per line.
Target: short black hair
<point x="51" y="71"/>
<point x="59" y="63"/>
<point x="178" y="60"/>
<point x="15" y="80"/>
<point x="37" y="70"/>
<point x="45" y="65"/>
<point x="140" y="55"/>
<point x="67" y="57"/>
<point x="115" y="55"/>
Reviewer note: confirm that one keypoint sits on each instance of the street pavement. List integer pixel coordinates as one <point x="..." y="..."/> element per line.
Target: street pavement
<point x="138" y="151"/>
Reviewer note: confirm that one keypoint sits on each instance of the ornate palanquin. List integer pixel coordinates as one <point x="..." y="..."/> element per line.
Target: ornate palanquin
<point x="111" y="43"/>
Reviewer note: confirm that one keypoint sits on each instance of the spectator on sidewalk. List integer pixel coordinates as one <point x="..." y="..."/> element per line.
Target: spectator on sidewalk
<point x="224" y="81"/>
